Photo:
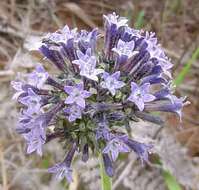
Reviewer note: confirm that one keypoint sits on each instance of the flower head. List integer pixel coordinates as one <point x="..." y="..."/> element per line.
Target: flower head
<point x="131" y="65"/>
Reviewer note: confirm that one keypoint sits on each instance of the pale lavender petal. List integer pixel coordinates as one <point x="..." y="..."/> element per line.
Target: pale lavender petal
<point x="69" y="100"/>
<point x="116" y="75"/>
<point x="80" y="102"/>
<point x="140" y="104"/>
<point x="86" y="94"/>
<point x="68" y="89"/>
<point x="148" y="97"/>
<point x="134" y="86"/>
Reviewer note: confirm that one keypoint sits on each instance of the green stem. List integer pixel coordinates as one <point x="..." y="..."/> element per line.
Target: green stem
<point x="106" y="181"/>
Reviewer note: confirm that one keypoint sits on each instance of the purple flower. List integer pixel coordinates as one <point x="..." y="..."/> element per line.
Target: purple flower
<point x="87" y="66"/>
<point x="165" y="92"/>
<point x="165" y="64"/>
<point x="54" y="55"/>
<point x="102" y="131"/>
<point x="33" y="129"/>
<point x="32" y="101"/>
<point x="59" y="45"/>
<point x="125" y="48"/>
<point x="63" y="35"/>
<point x="83" y="56"/>
<point x="18" y="86"/>
<point x="87" y="40"/>
<point x="36" y="138"/>
<point x="61" y="170"/>
<point x="77" y="95"/>
<point x="114" y="28"/>
<point x="24" y="124"/>
<point x="68" y="44"/>
<point x="130" y="34"/>
<point x="141" y="149"/>
<point x="115" y="146"/>
<point x="130" y="64"/>
<point x="157" y="52"/>
<point x="140" y="94"/>
<point x="38" y="77"/>
<point x="113" y="19"/>
<point x="111" y="82"/>
<point x="74" y="112"/>
<point x="151" y="39"/>
<point x="175" y="105"/>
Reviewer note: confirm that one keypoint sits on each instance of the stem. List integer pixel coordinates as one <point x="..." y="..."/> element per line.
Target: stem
<point x="106" y="181"/>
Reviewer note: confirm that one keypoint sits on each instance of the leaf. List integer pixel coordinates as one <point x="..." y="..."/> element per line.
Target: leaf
<point x="180" y="78"/>
<point x="170" y="181"/>
<point x="106" y="181"/>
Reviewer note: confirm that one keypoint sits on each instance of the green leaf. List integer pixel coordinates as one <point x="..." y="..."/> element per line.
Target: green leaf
<point x="140" y="20"/>
<point x="106" y="181"/>
<point x="170" y="181"/>
<point x="181" y="76"/>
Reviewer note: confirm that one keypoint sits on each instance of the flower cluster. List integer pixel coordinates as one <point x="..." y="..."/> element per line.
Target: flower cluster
<point x="98" y="92"/>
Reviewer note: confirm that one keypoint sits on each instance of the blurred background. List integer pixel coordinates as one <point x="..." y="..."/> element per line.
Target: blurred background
<point x="176" y="23"/>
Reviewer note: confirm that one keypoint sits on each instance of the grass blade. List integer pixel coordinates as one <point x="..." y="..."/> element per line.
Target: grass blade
<point x="140" y="20"/>
<point x="181" y="76"/>
<point x="170" y="181"/>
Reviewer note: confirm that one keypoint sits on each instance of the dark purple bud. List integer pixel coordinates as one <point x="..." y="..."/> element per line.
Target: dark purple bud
<point x="54" y="56"/>
<point x="114" y="28"/>
<point x="148" y="117"/>
<point x="164" y="93"/>
<point x="88" y="40"/>
<point x="102" y="132"/>
<point x="175" y="105"/>
<point x="154" y="79"/>
<point x="141" y="149"/>
<point x="85" y="153"/>
<point x="116" y="116"/>
<point x="21" y="130"/>
<point x="70" y="155"/>
<point x="108" y="165"/>
<point x="54" y="83"/>
<point x="69" y="50"/>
